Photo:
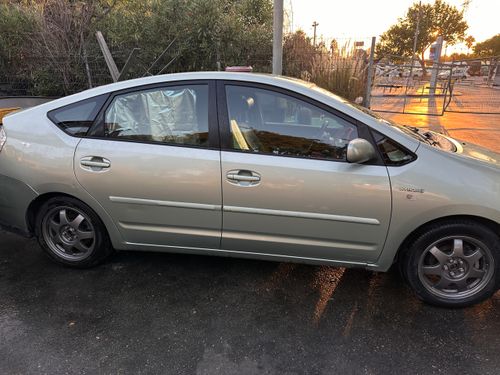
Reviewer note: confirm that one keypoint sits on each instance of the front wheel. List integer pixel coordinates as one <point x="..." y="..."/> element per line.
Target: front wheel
<point x="71" y="233"/>
<point x="455" y="264"/>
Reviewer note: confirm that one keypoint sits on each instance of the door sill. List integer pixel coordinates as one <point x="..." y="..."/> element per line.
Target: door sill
<point x="132" y="246"/>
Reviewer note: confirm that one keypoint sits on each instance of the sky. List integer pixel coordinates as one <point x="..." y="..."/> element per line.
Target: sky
<point x="361" y="19"/>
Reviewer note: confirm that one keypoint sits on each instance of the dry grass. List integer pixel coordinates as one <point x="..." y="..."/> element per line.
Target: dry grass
<point x="343" y="73"/>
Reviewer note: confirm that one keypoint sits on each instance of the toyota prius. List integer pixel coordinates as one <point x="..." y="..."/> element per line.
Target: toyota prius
<point x="252" y="166"/>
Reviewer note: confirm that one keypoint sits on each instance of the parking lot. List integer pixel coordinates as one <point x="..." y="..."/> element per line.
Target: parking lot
<point x="177" y="314"/>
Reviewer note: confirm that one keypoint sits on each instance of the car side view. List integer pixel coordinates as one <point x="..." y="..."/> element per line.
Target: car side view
<point x="253" y="166"/>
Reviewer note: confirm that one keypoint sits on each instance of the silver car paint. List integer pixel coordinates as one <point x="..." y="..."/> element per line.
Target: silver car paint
<point x="40" y="157"/>
<point x="157" y="194"/>
<point x="308" y="208"/>
<point x="451" y="185"/>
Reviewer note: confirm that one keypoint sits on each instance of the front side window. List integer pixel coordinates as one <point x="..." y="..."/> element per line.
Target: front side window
<point x="268" y="122"/>
<point x="77" y="118"/>
<point x="392" y="153"/>
<point x="173" y="115"/>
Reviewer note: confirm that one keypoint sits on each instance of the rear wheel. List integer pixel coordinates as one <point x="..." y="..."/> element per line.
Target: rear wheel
<point x="71" y="233"/>
<point x="455" y="264"/>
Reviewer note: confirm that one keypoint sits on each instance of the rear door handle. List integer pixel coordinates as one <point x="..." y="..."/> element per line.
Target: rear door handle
<point x="95" y="162"/>
<point x="243" y="177"/>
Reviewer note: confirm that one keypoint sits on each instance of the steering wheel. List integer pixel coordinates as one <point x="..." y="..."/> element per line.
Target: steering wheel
<point x="323" y="134"/>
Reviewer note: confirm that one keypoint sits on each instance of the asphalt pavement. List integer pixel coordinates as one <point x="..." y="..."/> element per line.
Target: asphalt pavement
<point x="152" y="313"/>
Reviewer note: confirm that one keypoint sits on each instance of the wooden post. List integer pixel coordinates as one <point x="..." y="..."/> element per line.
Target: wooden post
<point x="110" y="62"/>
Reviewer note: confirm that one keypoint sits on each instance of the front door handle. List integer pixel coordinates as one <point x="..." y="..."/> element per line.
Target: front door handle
<point x="95" y="162"/>
<point x="243" y="177"/>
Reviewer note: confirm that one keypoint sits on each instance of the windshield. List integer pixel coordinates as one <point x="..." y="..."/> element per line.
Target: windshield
<point x="429" y="137"/>
<point x="426" y="136"/>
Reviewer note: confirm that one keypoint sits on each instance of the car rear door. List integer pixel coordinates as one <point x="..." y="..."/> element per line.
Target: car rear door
<point x="152" y="161"/>
<point x="288" y="190"/>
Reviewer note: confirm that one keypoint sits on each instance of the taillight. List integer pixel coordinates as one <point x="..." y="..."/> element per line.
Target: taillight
<point x="3" y="137"/>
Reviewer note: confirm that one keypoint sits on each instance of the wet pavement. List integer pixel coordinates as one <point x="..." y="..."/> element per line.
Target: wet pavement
<point x="483" y="130"/>
<point x="146" y="313"/>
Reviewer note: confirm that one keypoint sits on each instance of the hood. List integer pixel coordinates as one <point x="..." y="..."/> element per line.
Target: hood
<point x="475" y="152"/>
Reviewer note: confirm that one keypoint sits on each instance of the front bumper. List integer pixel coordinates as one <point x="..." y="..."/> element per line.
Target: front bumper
<point x="15" y="198"/>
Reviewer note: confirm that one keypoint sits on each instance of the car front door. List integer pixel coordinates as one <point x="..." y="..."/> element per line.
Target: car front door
<point x="288" y="190"/>
<point x="152" y="161"/>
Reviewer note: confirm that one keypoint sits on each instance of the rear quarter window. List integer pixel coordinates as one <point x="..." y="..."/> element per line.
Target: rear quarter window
<point x="77" y="118"/>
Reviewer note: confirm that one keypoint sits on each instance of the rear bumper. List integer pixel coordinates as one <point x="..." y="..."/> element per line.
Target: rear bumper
<point x="15" y="198"/>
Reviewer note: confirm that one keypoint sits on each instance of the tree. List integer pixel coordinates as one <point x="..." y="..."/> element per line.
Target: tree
<point x="438" y="19"/>
<point x="16" y="25"/>
<point x="469" y="42"/>
<point x="298" y="54"/>
<point x="51" y="46"/>
<point x="490" y="47"/>
<point x="205" y="32"/>
<point x="63" y="30"/>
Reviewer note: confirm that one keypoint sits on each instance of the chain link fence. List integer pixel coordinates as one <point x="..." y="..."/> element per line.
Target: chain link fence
<point x="337" y="64"/>
<point x="469" y="86"/>
<point x="475" y="86"/>
<point x="340" y="65"/>
<point x="41" y="77"/>
<point x="53" y="75"/>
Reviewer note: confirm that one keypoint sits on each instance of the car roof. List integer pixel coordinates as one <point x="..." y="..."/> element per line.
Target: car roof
<point x="289" y="83"/>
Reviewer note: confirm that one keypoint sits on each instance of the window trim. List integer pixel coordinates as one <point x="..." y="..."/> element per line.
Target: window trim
<point x="225" y="130"/>
<point x="414" y="156"/>
<point x="50" y="114"/>
<point x="96" y="131"/>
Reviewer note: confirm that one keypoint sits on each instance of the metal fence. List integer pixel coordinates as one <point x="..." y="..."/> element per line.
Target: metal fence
<point x="411" y="89"/>
<point x="51" y="75"/>
<point x="339" y="65"/>
<point x="475" y="87"/>
<point x="471" y="86"/>
<point x="41" y="77"/>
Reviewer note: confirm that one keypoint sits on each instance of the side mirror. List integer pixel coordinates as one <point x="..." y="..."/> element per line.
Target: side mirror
<point x="360" y="151"/>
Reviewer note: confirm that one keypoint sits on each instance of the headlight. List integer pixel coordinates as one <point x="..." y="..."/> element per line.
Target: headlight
<point x="3" y="137"/>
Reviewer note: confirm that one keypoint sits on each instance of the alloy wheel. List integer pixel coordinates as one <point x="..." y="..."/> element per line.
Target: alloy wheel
<point x="456" y="267"/>
<point x="69" y="233"/>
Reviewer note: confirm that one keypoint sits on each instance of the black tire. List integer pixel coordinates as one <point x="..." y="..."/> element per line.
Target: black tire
<point x="420" y="267"/>
<point x="96" y="248"/>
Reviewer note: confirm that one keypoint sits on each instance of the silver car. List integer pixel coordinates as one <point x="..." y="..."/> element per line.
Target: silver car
<point x="253" y="166"/>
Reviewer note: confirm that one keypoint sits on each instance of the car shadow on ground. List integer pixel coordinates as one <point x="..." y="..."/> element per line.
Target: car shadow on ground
<point x="174" y="313"/>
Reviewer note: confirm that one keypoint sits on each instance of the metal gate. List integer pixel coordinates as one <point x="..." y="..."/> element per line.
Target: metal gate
<point x="411" y="89"/>
<point x="476" y="86"/>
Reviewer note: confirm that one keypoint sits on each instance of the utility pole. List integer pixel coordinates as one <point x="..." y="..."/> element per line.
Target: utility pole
<point x="315" y="24"/>
<point x="278" y="37"/>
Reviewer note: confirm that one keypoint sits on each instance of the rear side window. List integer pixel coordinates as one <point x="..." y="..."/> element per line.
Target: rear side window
<point x="76" y="119"/>
<point x="176" y="115"/>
